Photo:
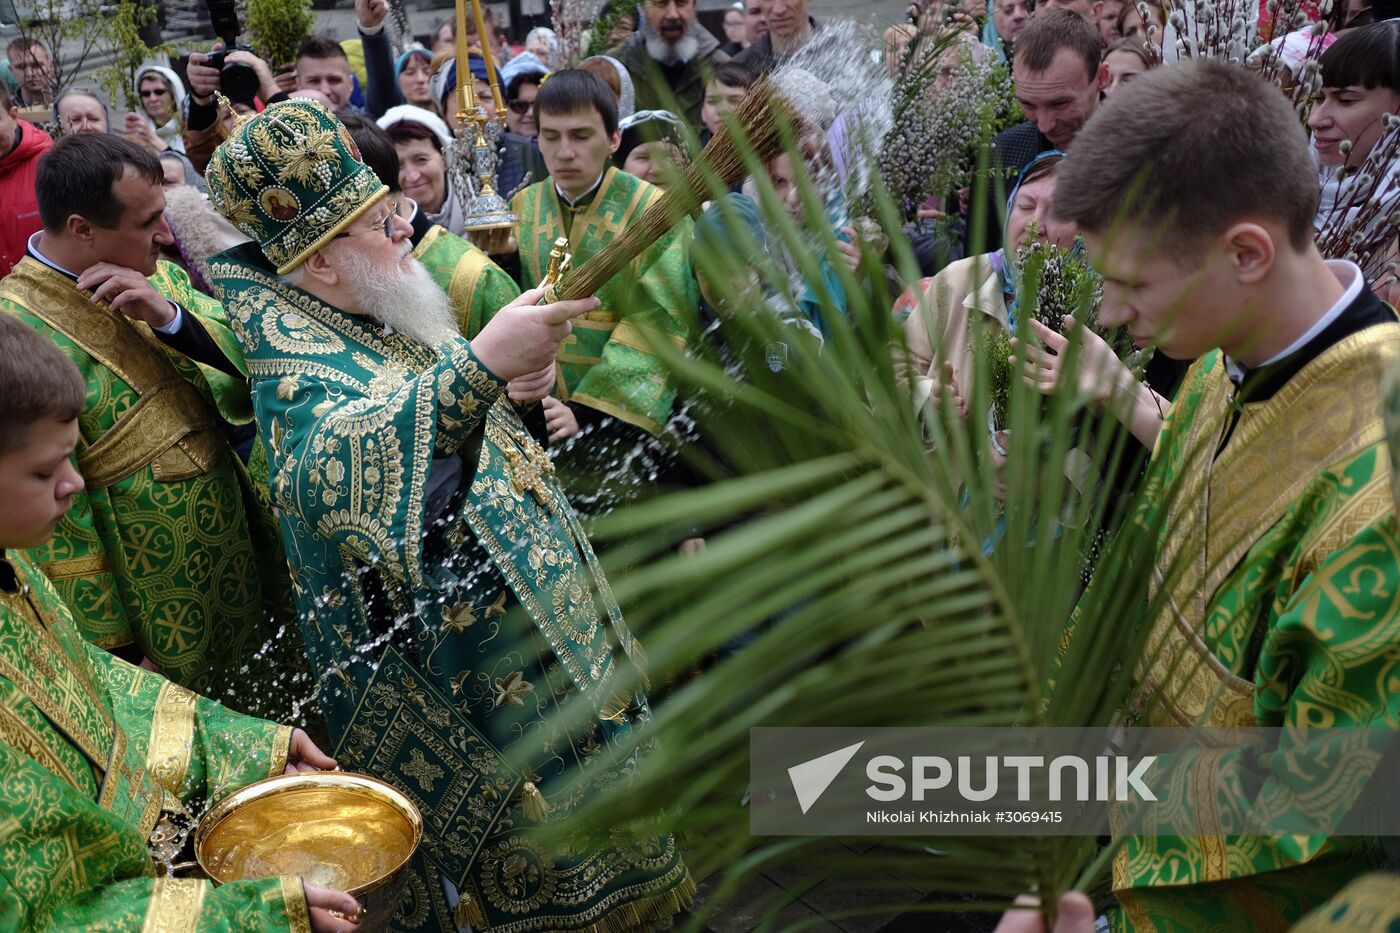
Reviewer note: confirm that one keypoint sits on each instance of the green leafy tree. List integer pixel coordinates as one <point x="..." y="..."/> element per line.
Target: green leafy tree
<point x="276" y="27"/>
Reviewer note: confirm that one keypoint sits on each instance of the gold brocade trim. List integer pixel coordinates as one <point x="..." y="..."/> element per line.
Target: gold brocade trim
<point x="1222" y="507"/>
<point x="281" y="743"/>
<point x="1370" y="904"/>
<point x="620" y="413"/>
<point x="627" y="917"/>
<point x="575" y="358"/>
<point x="111" y="338"/>
<point x="294" y="897"/>
<point x="175" y="905"/>
<point x="172" y="736"/>
<point x="68" y="568"/>
<point x="630" y="335"/>
<point x="55" y="710"/>
<point x="167" y="414"/>
<point x="18" y="734"/>
<point x="465" y="278"/>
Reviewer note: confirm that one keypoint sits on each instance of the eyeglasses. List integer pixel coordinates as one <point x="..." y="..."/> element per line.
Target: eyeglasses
<point x="386" y="225"/>
<point x="520" y="107"/>
<point x="153" y="92"/>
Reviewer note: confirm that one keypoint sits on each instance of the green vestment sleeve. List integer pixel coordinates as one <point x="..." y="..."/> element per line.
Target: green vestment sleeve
<point x="90" y="749"/>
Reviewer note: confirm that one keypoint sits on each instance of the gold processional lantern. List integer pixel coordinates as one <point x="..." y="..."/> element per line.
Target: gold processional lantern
<point x="476" y="156"/>
<point x="338" y="830"/>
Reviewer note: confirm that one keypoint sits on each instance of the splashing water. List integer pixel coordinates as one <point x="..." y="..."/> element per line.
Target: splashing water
<point x="827" y="86"/>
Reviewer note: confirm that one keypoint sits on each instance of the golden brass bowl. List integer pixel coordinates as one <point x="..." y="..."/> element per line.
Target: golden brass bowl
<point x="338" y="830"/>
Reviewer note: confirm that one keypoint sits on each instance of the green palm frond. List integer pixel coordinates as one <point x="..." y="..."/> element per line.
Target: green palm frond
<point x="861" y="556"/>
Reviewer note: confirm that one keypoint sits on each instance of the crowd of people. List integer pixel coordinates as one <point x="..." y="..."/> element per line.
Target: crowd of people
<point x="278" y="417"/>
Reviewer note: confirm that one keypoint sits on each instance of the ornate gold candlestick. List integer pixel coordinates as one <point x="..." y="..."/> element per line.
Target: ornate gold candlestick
<point x="486" y="209"/>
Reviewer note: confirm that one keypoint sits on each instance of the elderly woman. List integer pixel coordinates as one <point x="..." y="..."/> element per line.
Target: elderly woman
<point x="421" y="140"/>
<point x="79" y="110"/>
<point x="652" y="145"/>
<point x="939" y="330"/>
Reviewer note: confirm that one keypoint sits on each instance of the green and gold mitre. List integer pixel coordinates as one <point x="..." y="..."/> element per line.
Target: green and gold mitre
<point x="291" y="179"/>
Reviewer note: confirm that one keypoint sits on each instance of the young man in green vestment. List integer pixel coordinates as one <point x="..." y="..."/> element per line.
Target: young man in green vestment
<point x="451" y="604"/>
<point x="612" y="391"/>
<point x="167" y="555"/>
<point x="102" y="762"/>
<point x="1278" y="559"/>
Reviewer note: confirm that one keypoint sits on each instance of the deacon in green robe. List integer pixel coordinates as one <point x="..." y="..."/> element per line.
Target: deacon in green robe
<point x="101" y="765"/>
<point x="450" y="601"/>
<point x="607" y="364"/>
<point x="168" y="552"/>
<point x="1280" y="606"/>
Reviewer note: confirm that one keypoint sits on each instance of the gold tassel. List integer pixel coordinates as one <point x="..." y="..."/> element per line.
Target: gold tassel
<point x="533" y="803"/>
<point x="469" y="912"/>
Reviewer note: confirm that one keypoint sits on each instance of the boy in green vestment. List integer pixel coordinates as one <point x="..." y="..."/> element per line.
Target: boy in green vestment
<point x="101" y="762"/>
<point x="1278" y="558"/>
<point x="167" y="556"/>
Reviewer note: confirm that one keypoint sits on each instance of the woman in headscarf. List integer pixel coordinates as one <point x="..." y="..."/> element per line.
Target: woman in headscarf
<point x="413" y="71"/>
<point x="421" y="140"/>
<point x="615" y="76"/>
<point x="162" y="100"/>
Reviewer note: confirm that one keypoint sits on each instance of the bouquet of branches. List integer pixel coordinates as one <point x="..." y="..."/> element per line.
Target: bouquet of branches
<point x="1052" y="284"/>
<point x="276" y="27"/>
<point x="948" y="103"/>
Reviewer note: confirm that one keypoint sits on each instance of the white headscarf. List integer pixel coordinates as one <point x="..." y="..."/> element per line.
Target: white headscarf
<point x="172" y="132"/>
<point x="627" y="102"/>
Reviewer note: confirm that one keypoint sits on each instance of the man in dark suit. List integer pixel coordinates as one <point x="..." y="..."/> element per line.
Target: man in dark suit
<point x="1059" y="75"/>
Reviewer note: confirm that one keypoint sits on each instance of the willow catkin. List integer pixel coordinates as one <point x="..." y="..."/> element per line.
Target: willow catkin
<point x="760" y="119"/>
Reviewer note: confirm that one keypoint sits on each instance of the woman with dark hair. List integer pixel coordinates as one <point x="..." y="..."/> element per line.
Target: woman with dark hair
<point x="1360" y="87"/>
<point x="1360" y="84"/>
<point x="413" y="70"/>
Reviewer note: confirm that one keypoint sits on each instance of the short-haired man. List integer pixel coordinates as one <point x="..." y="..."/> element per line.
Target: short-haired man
<point x="33" y="69"/>
<point x="1277" y="549"/>
<point x="323" y="66"/>
<point x="755" y="26"/>
<point x="668" y="56"/>
<point x="21" y="145"/>
<point x="789" y="28"/>
<point x="1059" y="77"/>
<point x="606" y="370"/>
<point x="166" y="554"/>
<point x="419" y="514"/>
<point x="1010" y="17"/>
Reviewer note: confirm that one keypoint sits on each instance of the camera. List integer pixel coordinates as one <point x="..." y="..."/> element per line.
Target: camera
<point x="239" y="83"/>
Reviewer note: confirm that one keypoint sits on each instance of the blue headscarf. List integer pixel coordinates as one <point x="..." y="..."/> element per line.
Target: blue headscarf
<point x="1001" y="260"/>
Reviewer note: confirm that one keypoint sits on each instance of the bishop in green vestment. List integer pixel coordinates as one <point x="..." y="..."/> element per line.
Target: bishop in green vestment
<point x="168" y="552"/>
<point x="418" y="513"/>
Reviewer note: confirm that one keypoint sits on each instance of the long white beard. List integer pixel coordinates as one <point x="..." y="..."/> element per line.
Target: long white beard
<point x="668" y="53"/>
<point x="407" y="301"/>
